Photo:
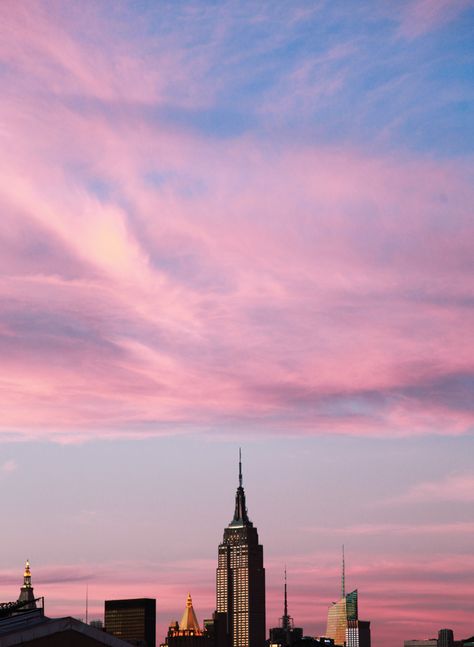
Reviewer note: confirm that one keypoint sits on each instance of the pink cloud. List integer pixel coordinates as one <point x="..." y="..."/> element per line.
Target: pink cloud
<point x="156" y="281"/>
<point x="421" y="16"/>
<point x="305" y="279"/>
<point x="454" y="487"/>
<point x="462" y="527"/>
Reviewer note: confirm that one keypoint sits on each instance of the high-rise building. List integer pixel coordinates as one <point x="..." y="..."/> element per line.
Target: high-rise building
<point x="445" y="638"/>
<point x="241" y="578"/>
<point x="27" y="597"/>
<point x="337" y="621"/>
<point x="343" y="624"/>
<point x="286" y="634"/>
<point x="132" y="620"/>
<point x="358" y="633"/>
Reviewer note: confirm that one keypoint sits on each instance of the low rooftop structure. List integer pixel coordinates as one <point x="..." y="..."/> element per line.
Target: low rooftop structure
<point x="24" y="623"/>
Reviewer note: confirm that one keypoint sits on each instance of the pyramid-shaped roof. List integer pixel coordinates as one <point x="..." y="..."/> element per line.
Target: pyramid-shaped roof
<point x="189" y="620"/>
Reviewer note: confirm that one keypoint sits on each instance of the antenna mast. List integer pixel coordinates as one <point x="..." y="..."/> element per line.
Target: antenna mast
<point x="240" y="467"/>
<point x="343" y="574"/>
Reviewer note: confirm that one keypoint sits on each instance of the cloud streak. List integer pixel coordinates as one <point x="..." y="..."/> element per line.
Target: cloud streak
<point x="454" y="487"/>
<point x="240" y="223"/>
<point x="156" y="280"/>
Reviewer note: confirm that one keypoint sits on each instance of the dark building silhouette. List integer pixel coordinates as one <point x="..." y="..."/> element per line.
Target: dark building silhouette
<point x="26" y="592"/>
<point x="29" y="627"/>
<point x="286" y="634"/>
<point x="132" y="620"/>
<point x="445" y="638"/>
<point x="309" y="641"/>
<point x="216" y="629"/>
<point x="241" y="578"/>
<point x="97" y="624"/>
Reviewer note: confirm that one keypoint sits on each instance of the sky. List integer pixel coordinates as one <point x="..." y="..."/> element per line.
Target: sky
<point x="239" y="224"/>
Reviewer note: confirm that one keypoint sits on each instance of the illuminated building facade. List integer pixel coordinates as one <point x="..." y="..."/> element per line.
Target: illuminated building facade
<point x="188" y="633"/>
<point x="340" y="613"/>
<point x="358" y="633"/>
<point x="240" y="578"/>
<point x="343" y="625"/>
<point x="337" y="622"/>
<point x="132" y="620"/>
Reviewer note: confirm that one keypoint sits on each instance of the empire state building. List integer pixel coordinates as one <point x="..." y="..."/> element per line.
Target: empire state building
<point x="241" y="578"/>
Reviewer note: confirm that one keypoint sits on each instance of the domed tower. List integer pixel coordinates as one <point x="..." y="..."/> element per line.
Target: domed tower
<point x="26" y="592"/>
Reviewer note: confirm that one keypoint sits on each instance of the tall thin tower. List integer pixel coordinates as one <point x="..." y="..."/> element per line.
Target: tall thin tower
<point x="286" y="634"/>
<point x="241" y="577"/>
<point x="343" y="582"/>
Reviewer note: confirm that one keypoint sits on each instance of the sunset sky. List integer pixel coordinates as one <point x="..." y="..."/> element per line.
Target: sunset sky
<point x="239" y="223"/>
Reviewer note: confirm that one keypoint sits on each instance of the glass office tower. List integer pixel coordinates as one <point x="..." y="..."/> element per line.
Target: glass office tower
<point x="339" y="614"/>
<point x="132" y="620"/>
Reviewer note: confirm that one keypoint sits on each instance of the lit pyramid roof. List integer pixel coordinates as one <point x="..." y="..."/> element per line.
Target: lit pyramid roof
<point x="189" y="620"/>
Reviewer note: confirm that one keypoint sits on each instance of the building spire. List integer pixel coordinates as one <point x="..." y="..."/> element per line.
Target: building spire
<point x="285" y="607"/>
<point x="189" y="621"/>
<point x="343" y="580"/>
<point x="240" y="467"/>
<point x="26" y="591"/>
<point x="27" y="575"/>
<point x="286" y="620"/>
<point x="240" y="513"/>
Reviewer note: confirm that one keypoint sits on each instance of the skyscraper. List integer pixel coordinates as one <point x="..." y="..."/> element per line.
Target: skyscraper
<point x="343" y="625"/>
<point x="241" y="577"/>
<point x="27" y="596"/>
<point x="132" y="620"/>
<point x="358" y="633"/>
<point x="445" y="638"/>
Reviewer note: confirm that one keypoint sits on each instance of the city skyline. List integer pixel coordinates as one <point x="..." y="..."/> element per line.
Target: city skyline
<point x="316" y="601"/>
<point x="226" y="224"/>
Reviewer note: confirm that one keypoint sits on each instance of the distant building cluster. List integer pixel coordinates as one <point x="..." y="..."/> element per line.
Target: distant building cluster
<point x="239" y="619"/>
<point x="445" y="639"/>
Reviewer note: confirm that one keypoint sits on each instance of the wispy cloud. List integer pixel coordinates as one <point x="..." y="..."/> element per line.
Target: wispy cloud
<point x="419" y="17"/>
<point x="366" y="529"/>
<point x="230" y="220"/>
<point x="453" y="487"/>
<point x="162" y="273"/>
